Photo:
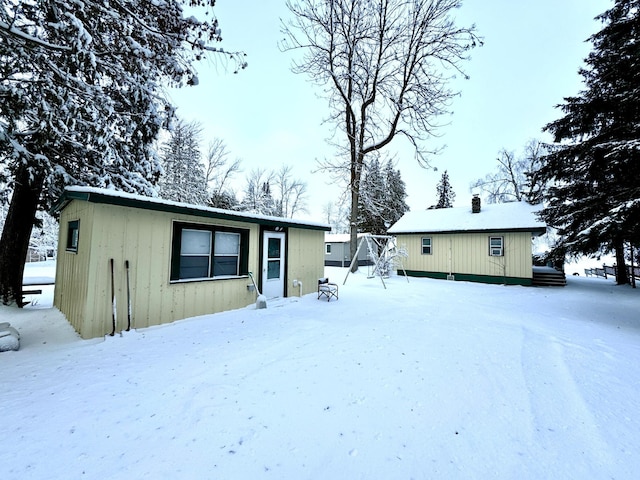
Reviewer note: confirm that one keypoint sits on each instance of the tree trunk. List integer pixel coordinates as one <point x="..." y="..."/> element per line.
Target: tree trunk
<point x="357" y="165"/>
<point x="14" y="242"/>
<point x="622" y="277"/>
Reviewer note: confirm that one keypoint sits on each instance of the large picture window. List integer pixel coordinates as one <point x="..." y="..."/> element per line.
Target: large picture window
<point x="202" y="252"/>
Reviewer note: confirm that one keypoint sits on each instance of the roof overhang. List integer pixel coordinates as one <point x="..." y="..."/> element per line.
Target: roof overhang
<point x="108" y="197"/>
<point x="536" y="231"/>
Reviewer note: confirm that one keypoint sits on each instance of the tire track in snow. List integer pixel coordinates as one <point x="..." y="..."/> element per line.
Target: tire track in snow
<point x="562" y="425"/>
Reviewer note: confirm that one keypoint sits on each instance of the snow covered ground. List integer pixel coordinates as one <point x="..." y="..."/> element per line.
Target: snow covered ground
<point x="426" y="379"/>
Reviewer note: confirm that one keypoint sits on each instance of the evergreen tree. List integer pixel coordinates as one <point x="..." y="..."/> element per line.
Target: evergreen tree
<point x="82" y="101"/>
<point x="257" y="193"/>
<point x="382" y="198"/>
<point x="595" y="198"/>
<point x="183" y="179"/>
<point x="372" y="200"/>
<point x="445" y="192"/>
<point x="396" y="193"/>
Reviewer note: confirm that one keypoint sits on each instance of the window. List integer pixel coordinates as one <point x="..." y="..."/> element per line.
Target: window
<point x="73" y="231"/>
<point x="327" y="248"/>
<point x="202" y="251"/>
<point x="226" y="251"/>
<point x="496" y="246"/>
<point x="195" y="253"/>
<point x="426" y="245"/>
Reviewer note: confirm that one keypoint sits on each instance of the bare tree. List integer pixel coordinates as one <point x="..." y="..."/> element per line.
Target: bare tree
<point x="219" y="170"/>
<point x="278" y="193"/>
<point x="515" y="179"/>
<point x="292" y="193"/>
<point x="384" y="66"/>
<point x="336" y="215"/>
<point x="257" y="192"/>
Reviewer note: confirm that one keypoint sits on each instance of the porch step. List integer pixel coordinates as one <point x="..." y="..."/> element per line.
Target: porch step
<point x="548" y="277"/>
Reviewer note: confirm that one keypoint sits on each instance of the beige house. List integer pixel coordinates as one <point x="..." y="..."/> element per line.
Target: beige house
<point x="184" y="260"/>
<point x="492" y="244"/>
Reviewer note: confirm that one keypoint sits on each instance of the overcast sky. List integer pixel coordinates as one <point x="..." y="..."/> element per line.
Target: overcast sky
<point x="269" y="116"/>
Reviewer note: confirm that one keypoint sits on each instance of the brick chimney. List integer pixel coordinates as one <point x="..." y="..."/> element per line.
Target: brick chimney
<point x="475" y="204"/>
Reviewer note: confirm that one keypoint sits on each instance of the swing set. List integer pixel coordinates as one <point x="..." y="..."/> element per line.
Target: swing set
<point x="383" y="254"/>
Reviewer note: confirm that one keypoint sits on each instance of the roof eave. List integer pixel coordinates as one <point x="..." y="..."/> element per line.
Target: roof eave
<point x="533" y="230"/>
<point x="96" y="197"/>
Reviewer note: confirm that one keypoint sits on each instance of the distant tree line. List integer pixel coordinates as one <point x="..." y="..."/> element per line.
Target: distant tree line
<point x="188" y="177"/>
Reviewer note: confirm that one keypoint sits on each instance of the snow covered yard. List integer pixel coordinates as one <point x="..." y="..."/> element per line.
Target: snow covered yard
<point x="427" y="379"/>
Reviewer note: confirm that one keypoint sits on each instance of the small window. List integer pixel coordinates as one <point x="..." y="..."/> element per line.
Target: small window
<point x="204" y="251"/>
<point x="496" y="246"/>
<point x="73" y="232"/>
<point x="426" y="245"/>
<point x="327" y="248"/>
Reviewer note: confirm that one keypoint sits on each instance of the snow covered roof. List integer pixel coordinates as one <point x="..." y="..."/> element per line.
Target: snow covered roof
<point x="499" y="217"/>
<point x="339" y="237"/>
<point x="114" y="197"/>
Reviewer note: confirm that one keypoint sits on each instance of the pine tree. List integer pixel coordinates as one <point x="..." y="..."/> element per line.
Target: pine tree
<point x="396" y="193"/>
<point x="445" y="192"/>
<point x="382" y="198"/>
<point x="595" y="198"/>
<point x="372" y="200"/>
<point x="82" y="101"/>
<point x="183" y="179"/>
<point x="257" y="193"/>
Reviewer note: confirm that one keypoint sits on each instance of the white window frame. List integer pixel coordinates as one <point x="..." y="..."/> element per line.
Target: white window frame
<point x="429" y="247"/>
<point x="206" y="253"/>
<point x="496" y="250"/>
<point x="217" y="253"/>
<point x="327" y="249"/>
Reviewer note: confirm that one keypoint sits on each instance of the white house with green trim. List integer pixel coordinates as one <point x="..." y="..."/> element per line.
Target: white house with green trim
<point x="489" y="244"/>
<point x="183" y="260"/>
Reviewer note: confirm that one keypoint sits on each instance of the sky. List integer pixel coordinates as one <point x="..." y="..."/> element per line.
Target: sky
<point x="421" y="379"/>
<point x="269" y="116"/>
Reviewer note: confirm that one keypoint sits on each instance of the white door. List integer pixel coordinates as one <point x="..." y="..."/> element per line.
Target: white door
<point x="273" y="264"/>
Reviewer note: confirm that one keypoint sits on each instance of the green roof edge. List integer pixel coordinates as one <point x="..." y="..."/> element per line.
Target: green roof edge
<point x="154" y="205"/>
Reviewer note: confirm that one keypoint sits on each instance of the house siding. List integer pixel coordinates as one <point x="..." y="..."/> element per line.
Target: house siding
<point x="340" y="255"/>
<point x="305" y="261"/>
<point x="337" y="257"/>
<point x="144" y="238"/>
<point x="466" y="256"/>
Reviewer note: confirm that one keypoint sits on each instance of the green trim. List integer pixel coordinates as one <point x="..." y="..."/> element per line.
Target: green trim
<point x="184" y="209"/>
<point x="467" y="277"/>
<point x="243" y="265"/>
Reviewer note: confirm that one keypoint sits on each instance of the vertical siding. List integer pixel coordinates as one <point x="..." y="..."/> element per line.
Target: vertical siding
<point x="305" y="261"/>
<point x="83" y="289"/>
<point x="469" y="254"/>
<point x="72" y="269"/>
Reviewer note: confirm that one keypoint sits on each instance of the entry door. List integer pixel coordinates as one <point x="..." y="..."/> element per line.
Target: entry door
<point x="273" y="264"/>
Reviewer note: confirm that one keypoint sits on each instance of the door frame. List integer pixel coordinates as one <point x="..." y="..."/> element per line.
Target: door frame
<point x="265" y="233"/>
